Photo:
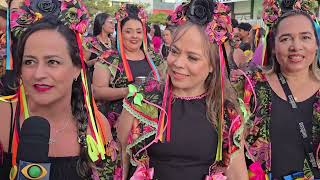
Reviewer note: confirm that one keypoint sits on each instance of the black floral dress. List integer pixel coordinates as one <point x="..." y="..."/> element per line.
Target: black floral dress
<point x="258" y="141"/>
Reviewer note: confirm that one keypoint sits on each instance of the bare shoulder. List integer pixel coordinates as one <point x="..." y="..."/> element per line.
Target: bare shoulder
<point x="6" y="110"/>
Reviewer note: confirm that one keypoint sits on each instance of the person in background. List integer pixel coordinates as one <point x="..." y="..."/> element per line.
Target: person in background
<point x="156" y="37"/>
<point x="167" y="40"/>
<point x="244" y="31"/>
<point x="256" y="37"/>
<point x="236" y="41"/>
<point x="101" y="40"/>
<point x="149" y="37"/>
<point x="113" y="74"/>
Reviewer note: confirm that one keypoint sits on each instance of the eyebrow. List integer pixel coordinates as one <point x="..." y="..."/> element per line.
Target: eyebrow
<point x="46" y="57"/>
<point x="303" y="33"/>
<point x="133" y="29"/>
<point x="188" y="52"/>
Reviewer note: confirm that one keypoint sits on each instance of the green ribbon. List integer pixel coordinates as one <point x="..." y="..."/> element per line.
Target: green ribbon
<point x="133" y="92"/>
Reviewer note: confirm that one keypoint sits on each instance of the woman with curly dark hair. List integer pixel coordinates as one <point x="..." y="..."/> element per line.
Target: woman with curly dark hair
<point x="53" y="84"/>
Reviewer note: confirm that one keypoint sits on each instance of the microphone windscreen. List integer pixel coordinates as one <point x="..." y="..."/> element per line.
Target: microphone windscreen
<point x="34" y="140"/>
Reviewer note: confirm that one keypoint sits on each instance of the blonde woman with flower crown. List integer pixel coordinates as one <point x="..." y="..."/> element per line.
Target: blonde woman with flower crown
<point x="186" y="112"/>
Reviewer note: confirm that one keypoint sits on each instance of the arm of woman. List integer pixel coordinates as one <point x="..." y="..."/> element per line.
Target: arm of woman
<point x="100" y="84"/>
<point x="237" y="169"/>
<point x="123" y="126"/>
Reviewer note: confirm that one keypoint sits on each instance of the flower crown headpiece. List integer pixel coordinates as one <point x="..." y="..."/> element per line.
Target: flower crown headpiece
<point x="72" y="13"/>
<point x="273" y="9"/>
<point x="213" y="15"/>
<point x="123" y="13"/>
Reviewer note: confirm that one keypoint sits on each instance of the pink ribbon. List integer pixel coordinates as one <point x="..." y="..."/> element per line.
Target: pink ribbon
<point x="218" y="176"/>
<point x="143" y="173"/>
<point x="257" y="171"/>
<point x="117" y="174"/>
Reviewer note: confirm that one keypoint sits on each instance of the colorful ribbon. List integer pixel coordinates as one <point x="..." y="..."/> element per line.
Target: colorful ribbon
<point x="9" y="61"/>
<point x="143" y="173"/>
<point x="96" y="140"/>
<point x="264" y="55"/>
<point x="221" y="117"/>
<point x="217" y="176"/>
<point x="256" y="172"/>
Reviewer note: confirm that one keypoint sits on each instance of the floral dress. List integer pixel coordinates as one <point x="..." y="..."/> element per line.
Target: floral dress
<point x="145" y="127"/>
<point x="97" y="48"/>
<point x="119" y="79"/>
<point x="258" y="141"/>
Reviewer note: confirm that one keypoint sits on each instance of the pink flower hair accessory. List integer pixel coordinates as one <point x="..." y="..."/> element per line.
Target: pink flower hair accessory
<point x="123" y="13"/>
<point x="178" y="16"/>
<point x="272" y="10"/>
<point x="72" y="13"/>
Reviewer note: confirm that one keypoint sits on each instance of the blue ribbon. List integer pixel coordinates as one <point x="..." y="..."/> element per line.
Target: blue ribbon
<point x="294" y="176"/>
<point x="8" y="58"/>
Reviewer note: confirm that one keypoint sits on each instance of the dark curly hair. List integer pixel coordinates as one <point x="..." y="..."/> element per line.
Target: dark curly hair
<point x="132" y="11"/>
<point x="77" y="103"/>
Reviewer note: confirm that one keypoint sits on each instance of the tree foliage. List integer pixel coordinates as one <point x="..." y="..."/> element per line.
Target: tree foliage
<point x="159" y="18"/>
<point x="95" y="6"/>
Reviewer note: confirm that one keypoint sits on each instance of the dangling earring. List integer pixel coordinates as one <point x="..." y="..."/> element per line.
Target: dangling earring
<point x="75" y="79"/>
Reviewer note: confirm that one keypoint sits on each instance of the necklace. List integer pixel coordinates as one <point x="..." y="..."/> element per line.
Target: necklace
<point x="106" y="43"/>
<point x="53" y="140"/>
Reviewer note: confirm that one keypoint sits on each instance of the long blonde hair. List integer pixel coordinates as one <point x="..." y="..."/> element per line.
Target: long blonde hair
<point x="212" y="83"/>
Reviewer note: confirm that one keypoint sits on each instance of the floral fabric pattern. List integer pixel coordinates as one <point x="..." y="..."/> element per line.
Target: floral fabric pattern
<point x="119" y="80"/>
<point x="93" y="45"/>
<point x="110" y="168"/>
<point x="258" y="141"/>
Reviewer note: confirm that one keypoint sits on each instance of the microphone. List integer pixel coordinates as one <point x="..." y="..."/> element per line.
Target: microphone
<point x="33" y="149"/>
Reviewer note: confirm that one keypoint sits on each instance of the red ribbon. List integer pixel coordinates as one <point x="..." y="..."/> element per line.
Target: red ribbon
<point x="143" y="173"/>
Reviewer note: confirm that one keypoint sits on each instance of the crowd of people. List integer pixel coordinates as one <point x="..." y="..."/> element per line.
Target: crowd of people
<point x="205" y="97"/>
